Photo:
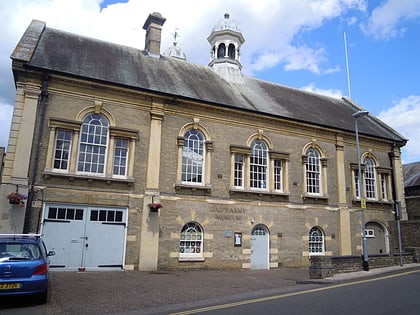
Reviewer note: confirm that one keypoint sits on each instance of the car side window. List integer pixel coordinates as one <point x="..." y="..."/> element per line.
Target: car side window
<point x="2" y="250"/>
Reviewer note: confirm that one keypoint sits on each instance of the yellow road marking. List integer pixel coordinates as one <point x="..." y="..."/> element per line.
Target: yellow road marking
<point x="281" y="296"/>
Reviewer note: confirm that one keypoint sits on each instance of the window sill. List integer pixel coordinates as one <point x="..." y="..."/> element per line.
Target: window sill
<point x="258" y="192"/>
<point x="71" y="177"/>
<point x="371" y="201"/>
<point x="315" y="197"/>
<point x="191" y="259"/>
<point x="316" y="254"/>
<point x="193" y="188"/>
<point x="357" y="200"/>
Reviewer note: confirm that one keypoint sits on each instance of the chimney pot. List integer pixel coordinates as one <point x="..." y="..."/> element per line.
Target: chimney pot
<point x="153" y="27"/>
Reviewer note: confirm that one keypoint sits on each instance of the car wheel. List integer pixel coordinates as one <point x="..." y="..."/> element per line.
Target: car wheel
<point x="42" y="297"/>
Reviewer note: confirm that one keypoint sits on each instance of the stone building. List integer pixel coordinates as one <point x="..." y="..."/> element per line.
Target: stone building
<point x="411" y="174"/>
<point x="132" y="159"/>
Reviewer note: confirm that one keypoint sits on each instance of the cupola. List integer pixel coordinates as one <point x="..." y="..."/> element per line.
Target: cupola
<point x="175" y="51"/>
<point x="226" y="40"/>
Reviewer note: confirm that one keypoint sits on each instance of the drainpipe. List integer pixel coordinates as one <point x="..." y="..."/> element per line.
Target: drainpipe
<point x="36" y="147"/>
<point x="397" y="203"/>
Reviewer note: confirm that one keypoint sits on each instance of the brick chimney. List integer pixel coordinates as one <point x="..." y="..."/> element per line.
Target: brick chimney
<point x="153" y="27"/>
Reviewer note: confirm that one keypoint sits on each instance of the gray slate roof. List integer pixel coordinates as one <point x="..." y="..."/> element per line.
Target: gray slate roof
<point x="411" y="174"/>
<point x="61" y="52"/>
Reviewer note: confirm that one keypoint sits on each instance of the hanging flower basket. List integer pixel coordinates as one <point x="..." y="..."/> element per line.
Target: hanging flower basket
<point x="154" y="207"/>
<point x="16" y="198"/>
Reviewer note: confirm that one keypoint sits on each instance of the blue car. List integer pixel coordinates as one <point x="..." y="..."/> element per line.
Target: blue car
<point x="24" y="266"/>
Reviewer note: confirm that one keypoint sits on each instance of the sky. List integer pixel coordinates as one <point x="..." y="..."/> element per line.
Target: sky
<point x="366" y="50"/>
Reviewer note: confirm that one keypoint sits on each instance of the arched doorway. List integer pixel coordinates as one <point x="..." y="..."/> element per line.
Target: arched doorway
<point x="260" y="247"/>
<point x="377" y="238"/>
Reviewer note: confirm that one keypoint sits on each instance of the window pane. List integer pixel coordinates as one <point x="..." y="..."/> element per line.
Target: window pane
<point x="356" y="183"/>
<point x="191" y="241"/>
<point x="316" y="241"/>
<point x="79" y="214"/>
<point x="193" y="157"/>
<point x="102" y="215"/>
<point x="384" y="188"/>
<point x="239" y="170"/>
<point x="313" y="173"/>
<point x="62" y="149"/>
<point x="110" y="216"/>
<point x="258" y="165"/>
<point x="61" y="213"/>
<point x="370" y="178"/>
<point x="94" y="215"/>
<point x="120" y="157"/>
<point x="52" y="213"/>
<point x="93" y="144"/>
<point x="118" y="216"/>
<point x="70" y="214"/>
<point x="259" y="230"/>
<point x="278" y="171"/>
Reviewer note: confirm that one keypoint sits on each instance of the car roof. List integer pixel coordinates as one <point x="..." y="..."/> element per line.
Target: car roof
<point x="19" y="238"/>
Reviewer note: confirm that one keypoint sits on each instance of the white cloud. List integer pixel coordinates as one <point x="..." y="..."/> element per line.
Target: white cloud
<point x="385" y="19"/>
<point x="305" y="58"/>
<point x="332" y="70"/>
<point x="328" y="92"/>
<point x="404" y="117"/>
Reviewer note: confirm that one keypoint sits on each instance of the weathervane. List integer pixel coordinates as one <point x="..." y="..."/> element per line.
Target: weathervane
<point x="175" y="34"/>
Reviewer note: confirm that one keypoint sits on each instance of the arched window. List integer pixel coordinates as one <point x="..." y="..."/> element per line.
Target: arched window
<point x="258" y="165"/>
<point x="191" y="241"/>
<point x="221" y="51"/>
<point x="89" y="146"/>
<point x="93" y="144"/>
<point x="259" y="230"/>
<point x="231" y="51"/>
<point x="193" y="156"/>
<point x="316" y="241"/>
<point x="370" y="178"/>
<point x="313" y="171"/>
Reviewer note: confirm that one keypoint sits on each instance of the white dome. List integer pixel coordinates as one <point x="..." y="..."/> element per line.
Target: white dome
<point x="226" y="24"/>
<point x="175" y="52"/>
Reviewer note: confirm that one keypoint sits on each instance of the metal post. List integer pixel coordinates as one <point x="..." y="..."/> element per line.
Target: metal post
<point x="398" y="217"/>
<point x="362" y="199"/>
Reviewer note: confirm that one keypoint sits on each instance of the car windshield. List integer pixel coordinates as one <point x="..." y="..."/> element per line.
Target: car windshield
<point x="16" y="251"/>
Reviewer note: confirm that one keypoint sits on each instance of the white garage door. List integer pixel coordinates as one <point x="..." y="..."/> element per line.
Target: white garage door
<point x="85" y="238"/>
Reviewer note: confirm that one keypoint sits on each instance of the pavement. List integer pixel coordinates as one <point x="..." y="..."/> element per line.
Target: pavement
<point x="359" y="275"/>
<point x="163" y="292"/>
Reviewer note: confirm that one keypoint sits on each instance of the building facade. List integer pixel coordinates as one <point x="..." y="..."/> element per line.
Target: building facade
<point x="136" y="160"/>
<point x="411" y="174"/>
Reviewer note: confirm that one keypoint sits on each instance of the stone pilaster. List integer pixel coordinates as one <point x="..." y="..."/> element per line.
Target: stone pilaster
<point x="344" y="213"/>
<point x="149" y="242"/>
